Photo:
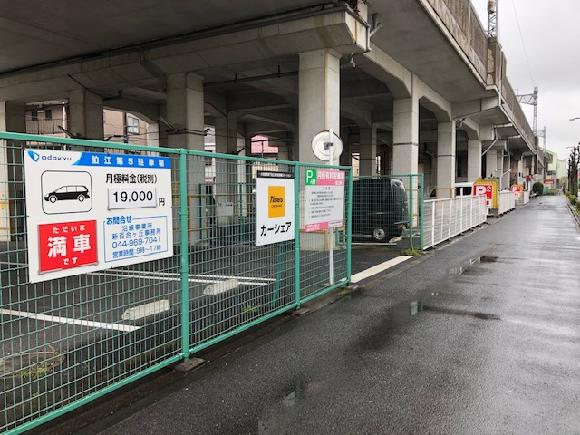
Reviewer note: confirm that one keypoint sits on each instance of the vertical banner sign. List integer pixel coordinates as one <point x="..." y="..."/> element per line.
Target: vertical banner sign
<point x="323" y="199"/>
<point x="489" y="188"/>
<point x="274" y="207"/>
<point x="90" y="211"/>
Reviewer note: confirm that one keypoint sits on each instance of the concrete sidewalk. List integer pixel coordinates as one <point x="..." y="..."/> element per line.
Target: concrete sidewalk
<point x="483" y="336"/>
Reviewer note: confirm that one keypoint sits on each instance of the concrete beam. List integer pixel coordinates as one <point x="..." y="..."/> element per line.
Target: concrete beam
<point x="285" y="119"/>
<point x="384" y="68"/>
<point x="150" y="112"/>
<point x="258" y="102"/>
<point x="337" y="30"/>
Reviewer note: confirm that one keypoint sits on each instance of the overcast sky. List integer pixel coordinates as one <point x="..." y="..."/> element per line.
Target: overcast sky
<point x="550" y="31"/>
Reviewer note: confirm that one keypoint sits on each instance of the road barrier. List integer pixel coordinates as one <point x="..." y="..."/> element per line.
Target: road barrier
<point x="447" y="218"/>
<point x="234" y="261"/>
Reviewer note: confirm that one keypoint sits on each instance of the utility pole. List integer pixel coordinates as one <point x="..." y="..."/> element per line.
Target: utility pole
<point x="492" y="18"/>
<point x="532" y="100"/>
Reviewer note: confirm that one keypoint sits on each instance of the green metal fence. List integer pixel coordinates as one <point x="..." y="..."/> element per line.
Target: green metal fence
<point x="68" y="341"/>
<point x="388" y="210"/>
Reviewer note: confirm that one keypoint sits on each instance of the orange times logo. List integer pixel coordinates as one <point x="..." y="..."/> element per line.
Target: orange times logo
<point x="276" y="201"/>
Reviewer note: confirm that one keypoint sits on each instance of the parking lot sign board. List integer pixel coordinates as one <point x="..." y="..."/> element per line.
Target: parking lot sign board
<point x="324" y="199"/>
<point x="275" y="207"/>
<point x="90" y="211"/>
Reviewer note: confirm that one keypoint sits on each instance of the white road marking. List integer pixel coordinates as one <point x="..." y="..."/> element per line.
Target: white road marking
<point x="69" y="321"/>
<point x="371" y="271"/>
<point x="164" y="276"/>
<point x="253" y="278"/>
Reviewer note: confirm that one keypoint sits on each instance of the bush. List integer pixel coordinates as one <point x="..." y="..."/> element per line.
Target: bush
<point x="538" y="188"/>
<point x="572" y="200"/>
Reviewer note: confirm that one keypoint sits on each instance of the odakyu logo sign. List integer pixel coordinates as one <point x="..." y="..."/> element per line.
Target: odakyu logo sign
<point x="36" y="156"/>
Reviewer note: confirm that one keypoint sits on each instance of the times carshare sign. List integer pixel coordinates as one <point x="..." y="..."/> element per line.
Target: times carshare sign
<point x="90" y="211"/>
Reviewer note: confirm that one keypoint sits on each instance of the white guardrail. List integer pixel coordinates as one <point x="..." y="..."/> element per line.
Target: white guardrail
<point x="447" y="218"/>
<point x="506" y="202"/>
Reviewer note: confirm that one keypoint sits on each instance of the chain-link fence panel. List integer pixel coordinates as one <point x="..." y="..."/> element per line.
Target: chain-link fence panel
<point x="388" y="210"/>
<point x="70" y="336"/>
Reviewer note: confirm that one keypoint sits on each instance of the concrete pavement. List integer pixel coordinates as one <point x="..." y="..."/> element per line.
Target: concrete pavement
<point x="484" y="336"/>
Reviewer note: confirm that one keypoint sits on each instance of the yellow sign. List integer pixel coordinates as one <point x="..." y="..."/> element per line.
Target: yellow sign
<point x="276" y="201"/>
<point x="488" y="187"/>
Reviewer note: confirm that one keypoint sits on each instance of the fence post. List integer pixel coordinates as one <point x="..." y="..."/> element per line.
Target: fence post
<point x="350" y="184"/>
<point x="184" y="253"/>
<point x="297" y="290"/>
<point x="411" y="210"/>
<point x="421" y="208"/>
<point x="433" y="207"/>
<point x="460" y="215"/>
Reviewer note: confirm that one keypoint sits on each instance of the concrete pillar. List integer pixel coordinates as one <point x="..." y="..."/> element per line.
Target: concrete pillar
<point x="405" y="136"/>
<point x="446" y="160"/>
<point x="85" y="114"/>
<point x="346" y="156"/>
<point x="500" y="169"/>
<point x="473" y="160"/>
<point x="227" y="171"/>
<point x="226" y="133"/>
<point x="318" y="98"/>
<point x="433" y="179"/>
<point x="491" y="164"/>
<point x="185" y="110"/>
<point x="368" y="151"/>
<point x="11" y="175"/>
<point x="507" y="175"/>
<point x="283" y="153"/>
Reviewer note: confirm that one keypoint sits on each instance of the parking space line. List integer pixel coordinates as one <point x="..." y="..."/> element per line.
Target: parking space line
<point x="165" y="276"/>
<point x="371" y="271"/>
<point x="68" y="321"/>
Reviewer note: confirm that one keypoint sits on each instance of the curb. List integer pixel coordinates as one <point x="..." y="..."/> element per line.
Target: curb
<point x="574" y="213"/>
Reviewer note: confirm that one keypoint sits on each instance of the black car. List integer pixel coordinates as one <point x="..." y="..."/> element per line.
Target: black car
<point x="380" y="209"/>
<point x="80" y="193"/>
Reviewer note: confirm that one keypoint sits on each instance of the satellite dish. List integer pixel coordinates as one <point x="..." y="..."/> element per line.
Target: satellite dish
<point x="327" y="146"/>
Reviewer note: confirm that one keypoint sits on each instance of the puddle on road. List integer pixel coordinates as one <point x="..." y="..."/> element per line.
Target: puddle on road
<point x="403" y="313"/>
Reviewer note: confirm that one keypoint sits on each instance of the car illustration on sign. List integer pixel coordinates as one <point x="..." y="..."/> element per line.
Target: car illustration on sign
<point x="80" y="193"/>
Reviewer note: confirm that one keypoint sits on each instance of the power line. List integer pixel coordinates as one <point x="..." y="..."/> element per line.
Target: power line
<point x="523" y="43"/>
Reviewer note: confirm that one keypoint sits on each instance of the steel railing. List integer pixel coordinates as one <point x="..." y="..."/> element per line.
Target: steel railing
<point x="506" y="202"/>
<point x="446" y="218"/>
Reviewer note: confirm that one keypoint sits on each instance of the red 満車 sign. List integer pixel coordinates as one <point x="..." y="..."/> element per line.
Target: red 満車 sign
<point x="66" y="245"/>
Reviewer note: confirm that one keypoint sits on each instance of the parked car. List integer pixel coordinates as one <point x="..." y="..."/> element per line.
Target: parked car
<point x="79" y="193"/>
<point x="380" y="209"/>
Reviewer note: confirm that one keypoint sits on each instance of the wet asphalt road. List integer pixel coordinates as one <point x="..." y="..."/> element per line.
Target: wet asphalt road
<point x="481" y="336"/>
